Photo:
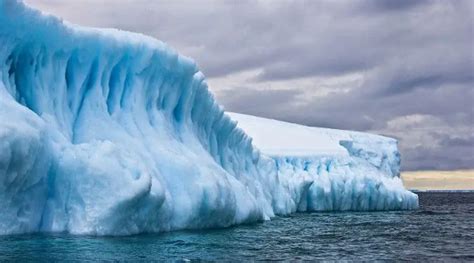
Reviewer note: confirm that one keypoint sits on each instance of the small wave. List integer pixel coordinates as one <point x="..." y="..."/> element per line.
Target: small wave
<point x="430" y="212"/>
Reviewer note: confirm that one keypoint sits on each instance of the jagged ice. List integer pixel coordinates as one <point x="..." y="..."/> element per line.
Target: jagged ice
<point x="107" y="132"/>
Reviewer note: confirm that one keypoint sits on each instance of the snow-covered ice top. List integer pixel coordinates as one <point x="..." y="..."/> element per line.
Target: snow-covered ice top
<point x="282" y="138"/>
<point x="279" y="138"/>
<point x="109" y="132"/>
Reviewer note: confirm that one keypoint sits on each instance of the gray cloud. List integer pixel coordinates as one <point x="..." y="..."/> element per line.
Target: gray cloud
<point x="391" y="6"/>
<point x="413" y="60"/>
<point x="259" y="102"/>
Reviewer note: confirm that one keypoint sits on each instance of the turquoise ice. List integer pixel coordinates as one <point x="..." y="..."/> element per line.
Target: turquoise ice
<point x="107" y="132"/>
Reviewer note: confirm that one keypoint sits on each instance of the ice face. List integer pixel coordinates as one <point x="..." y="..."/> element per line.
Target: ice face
<point x="333" y="170"/>
<point x="109" y="132"/>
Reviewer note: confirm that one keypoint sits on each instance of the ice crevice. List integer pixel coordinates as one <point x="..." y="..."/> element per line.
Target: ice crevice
<point x="107" y="132"/>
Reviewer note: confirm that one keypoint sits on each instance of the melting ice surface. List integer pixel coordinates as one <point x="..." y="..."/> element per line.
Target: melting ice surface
<point x="106" y="132"/>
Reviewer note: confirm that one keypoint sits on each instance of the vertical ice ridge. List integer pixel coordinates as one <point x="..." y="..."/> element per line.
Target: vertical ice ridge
<point x="109" y="132"/>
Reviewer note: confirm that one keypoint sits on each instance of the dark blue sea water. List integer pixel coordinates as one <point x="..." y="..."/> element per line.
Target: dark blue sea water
<point x="442" y="229"/>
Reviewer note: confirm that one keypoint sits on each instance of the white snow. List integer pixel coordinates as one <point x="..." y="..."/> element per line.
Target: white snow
<point x="288" y="139"/>
<point x="107" y="132"/>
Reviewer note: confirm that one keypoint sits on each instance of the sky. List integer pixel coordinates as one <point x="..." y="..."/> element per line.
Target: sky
<point x="399" y="68"/>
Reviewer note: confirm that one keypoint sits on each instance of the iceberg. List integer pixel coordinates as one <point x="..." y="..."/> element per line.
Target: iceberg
<point x="106" y="132"/>
<point x="333" y="170"/>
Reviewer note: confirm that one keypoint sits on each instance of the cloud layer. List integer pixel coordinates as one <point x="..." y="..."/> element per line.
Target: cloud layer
<point x="400" y="68"/>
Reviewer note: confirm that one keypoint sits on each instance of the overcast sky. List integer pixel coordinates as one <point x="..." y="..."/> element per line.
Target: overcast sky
<point x="401" y="68"/>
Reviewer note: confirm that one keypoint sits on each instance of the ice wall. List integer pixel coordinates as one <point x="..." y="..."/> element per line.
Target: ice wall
<point x="109" y="132"/>
<point x="333" y="170"/>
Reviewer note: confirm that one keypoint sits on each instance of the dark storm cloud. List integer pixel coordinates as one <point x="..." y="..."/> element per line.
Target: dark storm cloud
<point x="415" y="60"/>
<point x="448" y="141"/>
<point x="391" y="5"/>
<point x="259" y="102"/>
<point x="441" y="158"/>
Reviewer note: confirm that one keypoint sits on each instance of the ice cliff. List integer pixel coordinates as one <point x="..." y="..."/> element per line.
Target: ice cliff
<point x="112" y="133"/>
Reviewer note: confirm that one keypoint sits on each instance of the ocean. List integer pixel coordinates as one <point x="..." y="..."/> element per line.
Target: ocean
<point x="442" y="229"/>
